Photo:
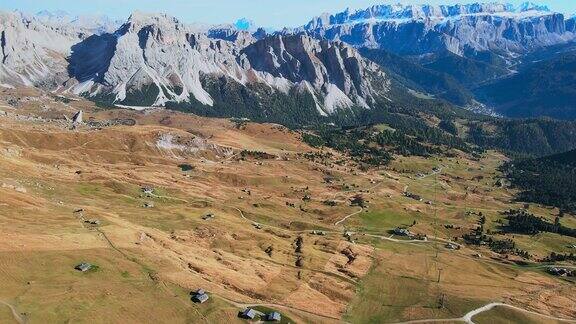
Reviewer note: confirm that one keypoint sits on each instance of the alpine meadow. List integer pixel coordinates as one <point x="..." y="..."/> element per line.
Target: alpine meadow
<point x="392" y="163"/>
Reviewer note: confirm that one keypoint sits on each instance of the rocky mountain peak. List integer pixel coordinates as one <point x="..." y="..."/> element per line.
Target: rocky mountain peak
<point x="160" y="21"/>
<point x="156" y="60"/>
<point x="422" y="29"/>
<point x="86" y="23"/>
<point x="529" y="6"/>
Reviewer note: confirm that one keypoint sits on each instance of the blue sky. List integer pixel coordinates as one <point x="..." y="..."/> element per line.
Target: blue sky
<point x="268" y="13"/>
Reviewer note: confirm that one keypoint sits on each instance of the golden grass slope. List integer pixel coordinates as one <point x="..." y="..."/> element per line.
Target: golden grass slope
<point x="149" y="259"/>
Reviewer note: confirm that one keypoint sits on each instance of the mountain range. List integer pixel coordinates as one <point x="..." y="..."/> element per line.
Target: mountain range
<point x="465" y="30"/>
<point x="154" y="59"/>
<point x="457" y="49"/>
<point x="469" y="55"/>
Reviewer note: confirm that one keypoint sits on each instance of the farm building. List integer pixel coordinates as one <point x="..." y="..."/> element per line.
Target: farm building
<point x="248" y="313"/>
<point x="200" y="296"/>
<point x="452" y="246"/>
<point x="83" y="267"/>
<point x="402" y="231"/>
<point x="274" y="317"/>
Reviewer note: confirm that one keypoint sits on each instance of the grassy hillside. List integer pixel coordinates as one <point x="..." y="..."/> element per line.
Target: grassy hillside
<point x="306" y="231"/>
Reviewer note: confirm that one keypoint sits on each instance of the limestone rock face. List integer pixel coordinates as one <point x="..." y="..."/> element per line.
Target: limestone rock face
<point x="423" y="29"/>
<point x="332" y="68"/>
<point x="31" y="52"/>
<point x="153" y="59"/>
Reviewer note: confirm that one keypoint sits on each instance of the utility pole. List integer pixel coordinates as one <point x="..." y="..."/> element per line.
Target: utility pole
<point x="441" y="301"/>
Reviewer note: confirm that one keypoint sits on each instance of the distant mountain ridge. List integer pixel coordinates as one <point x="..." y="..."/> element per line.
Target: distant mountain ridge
<point x="434" y="13"/>
<point x="475" y="44"/>
<point x="460" y="29"/>
<point x="95" y="24"/>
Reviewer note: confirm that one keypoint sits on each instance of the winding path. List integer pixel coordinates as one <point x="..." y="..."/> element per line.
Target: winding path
<point x="238" y="304"/>
<point x="276" y="227"/>
<point x="467" y="318"/>
<point x="17" y="316"/>
<point x="405" y="190"/>
<point x="348" y="216"/>
<point x="426" y="176"/>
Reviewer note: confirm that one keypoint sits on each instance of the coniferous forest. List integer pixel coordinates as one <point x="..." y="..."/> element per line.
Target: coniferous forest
<point x="550" y="180"/>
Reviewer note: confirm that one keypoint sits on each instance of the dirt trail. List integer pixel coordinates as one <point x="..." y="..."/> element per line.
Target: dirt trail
<point x="426" y="176"/>
<point x="389" y="238"/>
<point x="17" y="316"/>
<point x="361" y="208"/>
<point x="405" y="190"/>
<point x="169" y="198"/>
<point x="348" y="216"/>
<point x="276" y="227"/>
<point x="467" y="318"/>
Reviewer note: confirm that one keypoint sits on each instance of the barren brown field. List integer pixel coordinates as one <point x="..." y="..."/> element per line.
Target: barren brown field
<point x="152" y="248"/>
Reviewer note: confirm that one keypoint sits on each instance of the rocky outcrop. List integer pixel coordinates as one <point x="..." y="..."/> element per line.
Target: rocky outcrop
<point x="571" y="24"/>
<point x="231" y="34"/>
<point x="333" y="69"/>
<point x="156" y="60"/>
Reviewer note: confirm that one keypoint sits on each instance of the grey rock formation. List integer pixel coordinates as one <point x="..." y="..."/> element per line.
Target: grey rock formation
<point x="33" y="53"/>
<point x="333" y="68"/>
<point x="159" y="54"/>
<point x="154" y="58"/>
<point x="77" y="118"/>
<point x="461" y="29"/>
<point x="89" y="24"/>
